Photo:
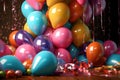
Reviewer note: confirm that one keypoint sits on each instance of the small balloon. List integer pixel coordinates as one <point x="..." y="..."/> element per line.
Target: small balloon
<point x="37" y="22"/>
<point x="82" y="58"/>
<point x="59" y="14"/>
<point x="44" y="63"/>
<point x="25" y="52"/>
<point x="62" y="37"/>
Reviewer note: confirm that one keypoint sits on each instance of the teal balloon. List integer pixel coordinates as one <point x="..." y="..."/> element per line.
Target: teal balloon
<point x="10" y="62"/>
<point x="68" y="25"/>
<point x="114" y="59"/>
<point x="44" y="63"/>
<point x="74" y="51"/>
<point x="26" y="9"/>
<point x="37" y="22"/>
<point x="82" y="58"/>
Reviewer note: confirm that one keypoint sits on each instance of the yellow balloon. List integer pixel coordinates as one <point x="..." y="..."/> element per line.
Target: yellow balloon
<point x="59" y="14"/>
<point x="52" y="2"/>
<point x="81" y="33"/>
<point x="27" y="29"/>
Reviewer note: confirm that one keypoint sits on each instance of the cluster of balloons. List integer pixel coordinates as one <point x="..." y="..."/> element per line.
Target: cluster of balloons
<point x="55" y="33"/>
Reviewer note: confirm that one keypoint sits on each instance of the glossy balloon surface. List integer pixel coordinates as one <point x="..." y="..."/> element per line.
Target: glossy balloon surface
<point x="82" y="58"/>
<point x="52" y="2"/>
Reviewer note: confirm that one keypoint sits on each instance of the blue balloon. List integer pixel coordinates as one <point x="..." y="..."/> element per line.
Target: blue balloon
<point x="82" y="58"/>
<point x="74" y="51"/>
<point x="26" y="9"/>
<point x="37" y="22"/>
<point x="10" y="62"/>
<point x="44" y="63"/>
<point x="68" y="25"/>
<point x="114" y="59"/>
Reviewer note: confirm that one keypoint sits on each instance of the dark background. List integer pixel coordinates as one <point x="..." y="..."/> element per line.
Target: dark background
<point x="11" y="19"/>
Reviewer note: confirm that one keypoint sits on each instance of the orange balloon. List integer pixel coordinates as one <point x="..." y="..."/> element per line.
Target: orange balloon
<point x="12" y="38"/>
<point x="81" y="33"/>
<point x="27" y="64"/>
<point x="76" y="10"/>
<point x="94" y="52"/>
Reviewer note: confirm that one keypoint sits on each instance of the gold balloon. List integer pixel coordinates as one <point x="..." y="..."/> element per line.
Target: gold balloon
<point x="52" y="2"/>
<point x="59" y="14"/>
<point x="81" y="33"/>
<point x="27" y="29"/>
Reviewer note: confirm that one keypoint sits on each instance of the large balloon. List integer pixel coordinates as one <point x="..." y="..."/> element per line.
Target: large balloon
<point x="37" y="22"/>
<point x="113" y="59"/>
<point x="43" y="43"/>
<point x="63" y="54"/>
<point x="110" y="47"/>
<point x="26" y="9"/>
<point x="94" y="52"/>
<point x="25" y="52"/>
<point x="59" y="14"/>
<point x="62" y="37"/>
<point x="81" y="33"/>
<point x="22" y="37"/>
<point x="35" y="4"/>
<point x="11" y="63"/>
<point x="76" y="10"/>
<point x="52" y="2"/>
<point x="44" y="63"/>
<point x="12" y="38"/>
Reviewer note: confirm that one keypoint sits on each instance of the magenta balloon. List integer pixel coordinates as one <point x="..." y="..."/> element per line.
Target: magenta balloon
<point x="99" y="6"/>
<point x="63" y="54"/>
<point x="62" y="37"/>
<point x="82" y="2"/>
<point x="87" y="14"/>
<point x="25" y="52"/>
<point x="110" y="47"/>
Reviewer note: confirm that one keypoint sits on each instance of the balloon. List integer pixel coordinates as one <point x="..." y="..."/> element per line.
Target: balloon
<point x="82" y="2"/>
<point x="94" y="52"/>
<point x="99" y="6"/>
<point x="12" y="38"/>
<point x="68" y="25"/>
<point x="43" y="43"/>
<point x="110" y="47"/>
<point x="27" y="29"/>
<point x="11" y="63"/>
<point x="87" y="14"/>
<point x="44" y="63"/>
<point x="22" y="37"/>
<point x="27" y="64"/>
<point x="1" y="68"/>
<point x="26" y="9"/>
<point x="82" y="58"/>
<point x="59" y="14"/>
<point x="113" y="59"/>
<point x="41" y="1"/>
<point x="37" y="22"/>
<point x="12" y="49"/>
<point x="63" y="54"/>
<point x="62" y="37"/>
<point x="118" y="51"/>
<point x="25" y="52"/>
<point x="81" y="33"/>
<point x="76" y="11"/>
<point x="53" y="2"/>
<point x="35" y="4"/>
<point x="74" y="51"/>
<point x="100" y="62"/>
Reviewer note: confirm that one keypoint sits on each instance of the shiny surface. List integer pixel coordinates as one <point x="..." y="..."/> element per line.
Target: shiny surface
<point x="94" y="52"/>
<point x="76" y="11"/>
<point x="59" y="14"/>
<point x="11" y="63"/>
<point x="52" y="2"/>
<point x="62" y="37"/>
<point x="25" y="52"/>
<point x="80" y="33"/>
<point x="44" y="63"/>
<point x="37" y="22"/>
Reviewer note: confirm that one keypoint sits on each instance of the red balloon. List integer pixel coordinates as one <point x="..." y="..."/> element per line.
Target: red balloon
<point x="76" y="10"/>
<point x="94" y="52"/>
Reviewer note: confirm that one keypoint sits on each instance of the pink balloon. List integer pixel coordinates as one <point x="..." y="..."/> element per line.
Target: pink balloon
<point x="25" y="52"/>
<point x="35" y="4"/>
<point x="110" y="47"/>
<point x="82" y="2"/>
<point x="62" y="37"/>
<point x="87" y="14"/>
<point x="63" y="54"/>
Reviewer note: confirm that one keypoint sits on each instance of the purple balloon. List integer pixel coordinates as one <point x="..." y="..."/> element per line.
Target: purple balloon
<point x="22" y="37"/>
<point x="43" y="43"/>
<point x="98" y="5"/>
<point x="110" y="47"/>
